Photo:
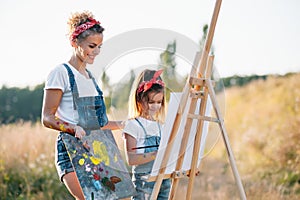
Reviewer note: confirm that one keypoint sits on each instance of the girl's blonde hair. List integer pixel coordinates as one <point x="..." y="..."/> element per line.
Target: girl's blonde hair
<point x="136" y="98"/>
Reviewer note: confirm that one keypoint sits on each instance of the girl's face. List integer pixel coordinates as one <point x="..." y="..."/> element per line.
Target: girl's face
<point x="88" y="49"/>
<point x="154" y="103"/>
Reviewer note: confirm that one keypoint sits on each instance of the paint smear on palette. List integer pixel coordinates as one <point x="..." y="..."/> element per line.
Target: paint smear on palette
<point x="101" y="152"/>
<point x="100" y="169"/>
<point x="115" y="158"/>
<point x="81" y="161"/>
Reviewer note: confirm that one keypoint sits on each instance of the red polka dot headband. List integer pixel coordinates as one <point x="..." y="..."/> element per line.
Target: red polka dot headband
<point x="83" y="27"/>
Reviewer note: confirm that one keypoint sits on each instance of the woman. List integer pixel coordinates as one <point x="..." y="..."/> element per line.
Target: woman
<point x="73" y="102"/>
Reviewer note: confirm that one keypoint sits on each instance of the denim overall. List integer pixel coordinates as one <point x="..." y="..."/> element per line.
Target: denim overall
<point x="144" y="188"/>
<point x="92" y="116"/>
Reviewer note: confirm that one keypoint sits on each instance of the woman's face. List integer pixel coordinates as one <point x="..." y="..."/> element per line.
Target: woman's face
<point x="89" y="48"/>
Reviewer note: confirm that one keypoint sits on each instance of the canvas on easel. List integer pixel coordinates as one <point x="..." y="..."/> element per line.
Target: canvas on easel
<point x="99" y="167"/>
<point x="186" y="166"/>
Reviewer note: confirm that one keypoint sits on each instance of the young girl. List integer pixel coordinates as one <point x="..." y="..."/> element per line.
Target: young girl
<point x="143" y="130"/>
<point x="73" y="102"/>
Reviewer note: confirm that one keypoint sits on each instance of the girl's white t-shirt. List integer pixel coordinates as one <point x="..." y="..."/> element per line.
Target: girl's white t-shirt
<point x="134" y="129"/>
<point x="58" y="78"/>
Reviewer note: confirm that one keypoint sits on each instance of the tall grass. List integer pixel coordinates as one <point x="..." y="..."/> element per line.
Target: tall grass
<point x="27" y="168"/>
<point x="263" y="121"/>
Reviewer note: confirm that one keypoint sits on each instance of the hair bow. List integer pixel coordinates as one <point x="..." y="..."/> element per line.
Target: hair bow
<point x="146" y="85"/>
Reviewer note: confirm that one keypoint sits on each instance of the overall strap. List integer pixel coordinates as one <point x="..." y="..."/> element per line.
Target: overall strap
<point x="145" y="129"/>
<point x="141" y="126"/>
<point x="72" y="82"/>
<point x="71" y="76"/>
<point x="95" y="83"/>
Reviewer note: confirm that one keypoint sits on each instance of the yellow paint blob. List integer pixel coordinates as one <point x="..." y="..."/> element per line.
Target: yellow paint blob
<point x="100" y="152"/>
<point x="84" y="155"/>
<point x="116" y="158"/>
<point x="95" y="160"/>
<point x="62" y="127"/>
<point x="81" y="161"/>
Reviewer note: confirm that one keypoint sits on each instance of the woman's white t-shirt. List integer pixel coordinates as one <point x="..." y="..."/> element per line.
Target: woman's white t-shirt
<point x="134" y="129"/>
<point x="58" y="78"/>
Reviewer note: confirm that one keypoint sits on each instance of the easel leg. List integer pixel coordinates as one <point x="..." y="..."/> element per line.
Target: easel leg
<point x="198" y="136"/>
<point x="187" y="129"/>
<point x="226" y="141"/>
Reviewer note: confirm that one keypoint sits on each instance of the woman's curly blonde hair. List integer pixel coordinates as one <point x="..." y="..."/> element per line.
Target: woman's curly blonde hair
<point x="78" y="18"/>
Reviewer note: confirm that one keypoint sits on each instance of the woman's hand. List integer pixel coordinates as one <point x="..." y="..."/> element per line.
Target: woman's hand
<point x="79" y="132"/>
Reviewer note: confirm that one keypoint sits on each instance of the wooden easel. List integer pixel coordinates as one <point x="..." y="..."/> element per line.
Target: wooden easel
<point x="202" y="88"/>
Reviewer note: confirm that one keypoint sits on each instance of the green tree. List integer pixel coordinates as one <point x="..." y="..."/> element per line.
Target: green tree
<point x="107" y="89"/>
<point x="203" y="38"/>
<point x="121" y="93"/>
<point x="168" y="64"/>
<point x="20" y="104"/>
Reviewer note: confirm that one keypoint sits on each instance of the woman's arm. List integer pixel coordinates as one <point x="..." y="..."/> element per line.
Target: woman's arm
<point x="52" y="98"/>
<point x="114" y="125"/>
<point x="134" y="158"/>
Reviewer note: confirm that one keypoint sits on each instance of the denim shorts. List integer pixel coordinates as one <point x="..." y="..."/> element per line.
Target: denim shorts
<point x="144" y="188"/>
<point x="62" y="160"/>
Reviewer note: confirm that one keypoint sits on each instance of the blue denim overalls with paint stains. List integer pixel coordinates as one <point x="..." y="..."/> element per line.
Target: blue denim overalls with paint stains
<point x="144" y="188"/>
<point x="91" y="114"/>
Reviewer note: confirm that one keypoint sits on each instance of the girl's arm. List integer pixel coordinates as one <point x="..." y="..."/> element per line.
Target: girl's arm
<point x="134" y="158"/>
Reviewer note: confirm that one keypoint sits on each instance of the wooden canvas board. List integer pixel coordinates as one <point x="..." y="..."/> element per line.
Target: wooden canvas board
<point x="170" y="118"/>
<point x="98" y="164"/>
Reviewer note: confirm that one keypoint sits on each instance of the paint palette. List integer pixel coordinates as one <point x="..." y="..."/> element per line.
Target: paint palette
<point x="100" y="169"/>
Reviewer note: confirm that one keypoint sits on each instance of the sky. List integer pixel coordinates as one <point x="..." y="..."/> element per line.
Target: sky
<point x="251" y="36"/>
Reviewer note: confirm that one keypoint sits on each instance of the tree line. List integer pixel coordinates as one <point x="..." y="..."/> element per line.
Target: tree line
<point x="25" y="104"/>
<point x="20" y="104"/>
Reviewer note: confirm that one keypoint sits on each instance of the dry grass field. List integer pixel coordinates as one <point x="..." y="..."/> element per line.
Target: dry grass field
<point x="263" y="124"/>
